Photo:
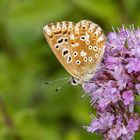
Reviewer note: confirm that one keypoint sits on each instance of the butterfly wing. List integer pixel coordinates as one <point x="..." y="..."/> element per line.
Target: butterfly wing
<point x="86" y="48"/>
<point x="91" y="45"/>
<point x="58" y="37"/>
<point x="78" y="47"/>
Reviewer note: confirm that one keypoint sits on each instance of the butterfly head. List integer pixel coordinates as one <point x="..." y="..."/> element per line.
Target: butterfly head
<point x="74" y="81"/>
<point x="78" y="46"/>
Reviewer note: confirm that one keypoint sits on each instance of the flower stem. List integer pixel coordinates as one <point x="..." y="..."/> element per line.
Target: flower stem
<point x="8" y="120"/>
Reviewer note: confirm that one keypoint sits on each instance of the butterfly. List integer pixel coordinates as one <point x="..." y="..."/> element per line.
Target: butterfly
<point x="78" y="46"/>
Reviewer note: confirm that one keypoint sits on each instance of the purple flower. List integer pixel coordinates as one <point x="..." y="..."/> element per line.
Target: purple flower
<point x="137" y="86"/>
<point x="117" y="132"/>
<point x="102" y="124"/>
<point x="109" y="95"/>
<point x="115" y="85"/>
<point x="138" y="78"/>
<point x="128" y="97"/>
<point x="133" y="125"/>
<point x="133" y="65"/>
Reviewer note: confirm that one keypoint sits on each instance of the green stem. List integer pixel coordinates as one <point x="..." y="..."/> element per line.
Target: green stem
<point x="8" y="120"/>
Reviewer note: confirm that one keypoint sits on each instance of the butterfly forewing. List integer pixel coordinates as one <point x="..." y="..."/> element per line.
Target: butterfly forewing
<point x="58" y="37"/>
<point x="79" y="47"/>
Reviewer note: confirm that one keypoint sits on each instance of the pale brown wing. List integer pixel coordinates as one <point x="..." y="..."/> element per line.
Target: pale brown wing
<point x="90" y="47"/>
<point x="58" y="36"/>
<point x="74" y="45"/>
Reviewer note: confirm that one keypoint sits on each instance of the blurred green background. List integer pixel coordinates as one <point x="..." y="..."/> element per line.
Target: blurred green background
<point x="30" y="110"/>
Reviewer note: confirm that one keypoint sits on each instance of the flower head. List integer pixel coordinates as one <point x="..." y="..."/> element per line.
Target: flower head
<point x="128" y="97"/>
<point x="115" y="85"/>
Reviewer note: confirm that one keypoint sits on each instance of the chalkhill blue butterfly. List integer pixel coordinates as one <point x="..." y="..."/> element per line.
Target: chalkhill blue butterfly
<point x="78" y="46"/>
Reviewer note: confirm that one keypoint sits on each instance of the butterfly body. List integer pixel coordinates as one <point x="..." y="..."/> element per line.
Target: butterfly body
<point x="78" y="46"/>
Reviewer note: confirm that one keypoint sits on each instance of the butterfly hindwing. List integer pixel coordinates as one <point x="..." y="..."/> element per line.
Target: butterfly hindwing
<point x="89" y="41"/>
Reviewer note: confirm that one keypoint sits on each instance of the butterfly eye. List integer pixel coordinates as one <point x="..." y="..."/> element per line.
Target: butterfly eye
<point x="95" y="48"/>
<point x="74" y="81"/>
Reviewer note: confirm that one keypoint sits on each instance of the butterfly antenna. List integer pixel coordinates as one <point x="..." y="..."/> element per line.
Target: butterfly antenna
<point x="57" y="89"/>
<point x="84" y="95"/>
<point x="55" y="81"/>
